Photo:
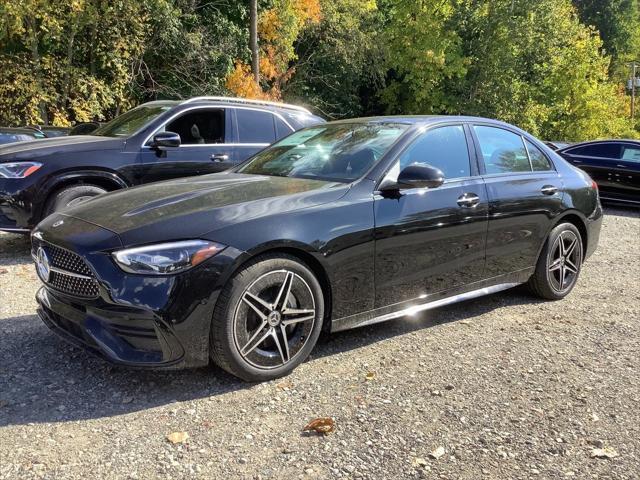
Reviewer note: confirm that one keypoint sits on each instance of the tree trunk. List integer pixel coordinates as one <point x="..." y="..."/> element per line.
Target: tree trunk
<point x="253" y="39"/>
<point x="34" y="41"/>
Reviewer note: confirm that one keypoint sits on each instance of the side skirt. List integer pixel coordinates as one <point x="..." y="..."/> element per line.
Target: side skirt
<point x="460" y="294"/>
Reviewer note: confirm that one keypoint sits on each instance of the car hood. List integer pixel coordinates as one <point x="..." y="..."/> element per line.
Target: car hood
<point x="191" y="207"/>
<point x="47" y="146"/>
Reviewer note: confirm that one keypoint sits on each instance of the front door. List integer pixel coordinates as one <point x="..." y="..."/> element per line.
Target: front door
<point x="525" y="193"/>
<point x="204" y="147"/>
<point x="430" y="240"/>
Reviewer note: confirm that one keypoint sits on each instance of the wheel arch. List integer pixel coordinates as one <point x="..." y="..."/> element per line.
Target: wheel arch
<point x="577" y="219"/>
<point x="306" y="255"/>
<point x="106" y="179"/>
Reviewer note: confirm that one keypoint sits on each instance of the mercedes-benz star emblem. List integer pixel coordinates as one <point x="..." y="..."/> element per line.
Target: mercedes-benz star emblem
<point x="42" y="265"/>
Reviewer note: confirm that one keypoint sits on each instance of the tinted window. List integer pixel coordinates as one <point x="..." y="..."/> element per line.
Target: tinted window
<point x="631" y="154"/>
<point x="130" y="122"/>
<point x="282" y="129"/>
<point x="502" y="151"/>
<point x="199" y="127"/>
<point x="255" y="126"/>
<point x="341" y="152"/>
<point x="444" y="148"/>
<point x="539" y="161"/>
<point x="602" y="150"/>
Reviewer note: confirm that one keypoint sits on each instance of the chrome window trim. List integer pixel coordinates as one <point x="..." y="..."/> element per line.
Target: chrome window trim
<point x="222" y="107"/>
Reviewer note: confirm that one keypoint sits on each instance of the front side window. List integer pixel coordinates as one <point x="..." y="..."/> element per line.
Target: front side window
<point x="539" y="161"/>
<point x="340" y="152"/>
<point x="199" y="127"/>
<point x="130" y="122"/>
<point x="502" y="150"/>
<point x="255" y="126"/>
<point x="444" y="148"/>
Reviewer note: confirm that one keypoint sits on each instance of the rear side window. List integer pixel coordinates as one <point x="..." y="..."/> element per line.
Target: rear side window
<point x="539" y="162"/>
<point x="502" y="150"/>
<point x="601" y="150"/>
<point x="444" y="148"/>
<point x="282" y="129"/>
<point x="255" y="126"/>
<point x="631" y="154"/>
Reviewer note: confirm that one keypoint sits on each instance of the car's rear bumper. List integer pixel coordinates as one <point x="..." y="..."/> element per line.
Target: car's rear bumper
<point x="594" y="225"/>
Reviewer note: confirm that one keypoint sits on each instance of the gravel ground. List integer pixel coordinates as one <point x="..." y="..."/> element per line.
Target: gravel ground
<point x="501" y="387"/>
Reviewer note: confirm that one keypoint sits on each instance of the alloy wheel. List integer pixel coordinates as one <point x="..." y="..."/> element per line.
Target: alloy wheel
<point x="274" y="319"/>
<point x="564" y="261"/>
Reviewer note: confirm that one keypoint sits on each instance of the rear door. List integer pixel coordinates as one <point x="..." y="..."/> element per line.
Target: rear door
<point x="525" y="193"/>
<point x="256" y="129"/>
<point x="431" y="240"/>
<point x="205" y="146"/>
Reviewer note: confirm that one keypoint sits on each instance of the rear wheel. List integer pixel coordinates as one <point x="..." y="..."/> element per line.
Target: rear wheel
<point x="559" y="264"/>
<point x="268" y="319"/>
<point x="71" y="196"/>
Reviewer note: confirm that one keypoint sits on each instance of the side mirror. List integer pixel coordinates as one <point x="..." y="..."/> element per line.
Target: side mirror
<point x="418" y="175"/>
<point x="166" y="139"/>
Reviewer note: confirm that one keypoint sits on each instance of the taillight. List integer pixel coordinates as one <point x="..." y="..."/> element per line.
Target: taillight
<point x="594" y="185"/>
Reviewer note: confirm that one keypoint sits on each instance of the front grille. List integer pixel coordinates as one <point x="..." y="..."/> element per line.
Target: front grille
<point x="69" y="274"/>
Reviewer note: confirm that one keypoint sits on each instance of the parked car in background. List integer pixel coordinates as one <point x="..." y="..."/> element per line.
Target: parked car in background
<point x="337" y="226"/>
<point x="84" y="128"/>
<point x="613" y="164"/>
<point x="555" y="145"/>
<point x="12" y="135"/>
<point x="155" y="141"/>
<point x="50" y="131"/>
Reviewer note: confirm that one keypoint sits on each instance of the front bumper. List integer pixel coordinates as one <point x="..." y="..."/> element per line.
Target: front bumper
<point x="133" y="320"/>
<point x="17" y="209"/>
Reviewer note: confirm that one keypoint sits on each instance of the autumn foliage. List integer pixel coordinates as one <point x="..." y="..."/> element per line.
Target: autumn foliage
<point x="278" y="29"/>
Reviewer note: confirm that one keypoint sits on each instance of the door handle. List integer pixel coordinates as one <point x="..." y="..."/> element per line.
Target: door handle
<point x="468" y="200"/>
<point x="219" y="157"/>
<point x="549" y="190"/>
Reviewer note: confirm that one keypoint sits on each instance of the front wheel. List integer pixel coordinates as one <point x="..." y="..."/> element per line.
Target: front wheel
<point x="71" y="196"/>
<point x="559" y="264"/>
<point x="267" y="319"/>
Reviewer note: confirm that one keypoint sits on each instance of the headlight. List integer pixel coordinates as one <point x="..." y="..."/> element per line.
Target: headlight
<point x="18" y="169"/>
<point x="166" y="258"/>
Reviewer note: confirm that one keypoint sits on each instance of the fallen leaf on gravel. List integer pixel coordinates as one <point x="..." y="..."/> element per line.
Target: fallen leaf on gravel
<point x="286" y="385"/>
<point x="322" y="425"/>
<point x="437" y="453"/>
<point x="606" y="452"/>
<point x="370" y="376"/>
<point x="3" y="270"/>
<point x="178" y="437"/>
<point x="419" y="462"/>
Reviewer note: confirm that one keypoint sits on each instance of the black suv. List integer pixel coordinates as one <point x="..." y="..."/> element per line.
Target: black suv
<point x="155" y="141"/>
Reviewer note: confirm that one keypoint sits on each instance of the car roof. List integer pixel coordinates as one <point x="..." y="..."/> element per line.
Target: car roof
<point x="423" y="120"/>
<point x="597" y="142"/>
<point x="230" y="101"/>
<point x="24" y="131"/>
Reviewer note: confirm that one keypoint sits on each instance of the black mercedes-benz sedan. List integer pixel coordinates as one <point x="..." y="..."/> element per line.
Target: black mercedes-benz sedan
<point x="336" y="226"/>
<point x="613" y="164"/>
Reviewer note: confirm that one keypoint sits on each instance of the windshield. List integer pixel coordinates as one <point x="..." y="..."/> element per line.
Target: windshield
<point x="341" y="152"/>
<point x="130" y="122"/>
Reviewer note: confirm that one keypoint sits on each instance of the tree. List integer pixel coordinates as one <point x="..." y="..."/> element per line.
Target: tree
<point x="338" y="68"/>
<point x="424" y="55"/>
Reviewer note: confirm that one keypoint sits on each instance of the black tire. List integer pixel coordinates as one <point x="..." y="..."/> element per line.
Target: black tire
<point x="557" y="271"/>
<point x="237" y="326"/>
<point x="70" y="196"/>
